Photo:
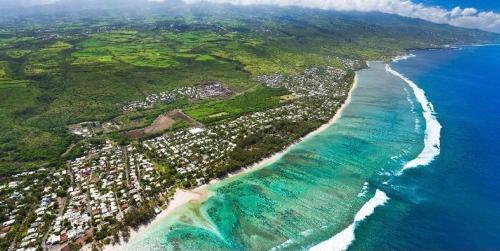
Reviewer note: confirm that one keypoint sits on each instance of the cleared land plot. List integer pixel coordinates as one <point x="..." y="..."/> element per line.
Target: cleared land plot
<point x="161" y="124"/>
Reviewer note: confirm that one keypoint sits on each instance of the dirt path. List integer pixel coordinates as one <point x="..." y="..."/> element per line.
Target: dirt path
<point x="68" y="150"/>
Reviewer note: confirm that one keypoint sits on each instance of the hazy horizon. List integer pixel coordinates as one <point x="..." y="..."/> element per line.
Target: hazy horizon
<point x="466" y="17"/>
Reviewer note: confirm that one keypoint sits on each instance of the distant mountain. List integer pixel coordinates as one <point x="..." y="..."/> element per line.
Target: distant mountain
<point x="339" y="23"/>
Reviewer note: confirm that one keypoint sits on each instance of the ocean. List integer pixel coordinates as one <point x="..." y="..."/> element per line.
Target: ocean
<point x="412" y="164"/>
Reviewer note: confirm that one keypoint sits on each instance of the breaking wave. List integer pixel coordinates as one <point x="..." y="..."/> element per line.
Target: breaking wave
<point x="283" y="245"/>
<point x="412" y="108"/>
<point x="405" y="57"/>
<point x="482" y="45"/>
<point x="432" y="130"/>
<point x="364" y="190"/>
<point x="343" y="240"/>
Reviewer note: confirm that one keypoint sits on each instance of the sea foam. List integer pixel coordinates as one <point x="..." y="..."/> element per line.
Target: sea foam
<point x="432" y="130"/>
<point x="364" y="190"/>
<point x="343" y="240"/>
<point x="404" y="57"/>
<point x="482" y="45"/>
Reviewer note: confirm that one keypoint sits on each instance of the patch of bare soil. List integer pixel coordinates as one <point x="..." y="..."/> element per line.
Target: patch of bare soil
<point x="161" y="124"/>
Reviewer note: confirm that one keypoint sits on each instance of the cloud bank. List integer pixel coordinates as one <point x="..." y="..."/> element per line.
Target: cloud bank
<point x="462" y="17"/>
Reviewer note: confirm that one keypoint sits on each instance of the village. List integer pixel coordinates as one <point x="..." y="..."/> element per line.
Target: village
<point x="209" y="89"/>
<point x="89" y="201"/>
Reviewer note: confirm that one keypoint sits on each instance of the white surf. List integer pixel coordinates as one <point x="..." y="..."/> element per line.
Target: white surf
<point x="432" y="130"/>
<point x="343" y="240"/>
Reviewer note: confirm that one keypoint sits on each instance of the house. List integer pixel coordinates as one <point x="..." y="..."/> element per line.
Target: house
<point x="8" y="223"/>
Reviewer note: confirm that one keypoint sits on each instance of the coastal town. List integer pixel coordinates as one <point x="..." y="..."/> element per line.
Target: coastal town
<point x="98" y="196"/>
<point x="240" y="125"/>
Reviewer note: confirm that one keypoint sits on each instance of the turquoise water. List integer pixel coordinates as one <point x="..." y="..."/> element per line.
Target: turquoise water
<point x="345" y="186"/>
<point x="314" y="191"/>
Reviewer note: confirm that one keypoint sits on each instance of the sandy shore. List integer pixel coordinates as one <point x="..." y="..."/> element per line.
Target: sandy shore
<point x="181" y="197"/>
<point x="201" y="193"/>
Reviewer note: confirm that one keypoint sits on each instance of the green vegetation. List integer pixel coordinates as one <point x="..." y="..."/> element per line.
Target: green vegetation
<point x="233" y="85"/>
<point x="129" y="47"/>
<point x="252" y="101"/>
<point x="65" y="69"/>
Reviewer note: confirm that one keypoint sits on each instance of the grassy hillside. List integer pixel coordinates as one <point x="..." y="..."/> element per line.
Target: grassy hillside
<point x="58" y="69"/>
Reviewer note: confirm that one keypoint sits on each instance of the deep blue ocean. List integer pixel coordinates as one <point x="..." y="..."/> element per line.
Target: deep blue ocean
<point x="453" y="203"/>
<point x="412" y="164"/>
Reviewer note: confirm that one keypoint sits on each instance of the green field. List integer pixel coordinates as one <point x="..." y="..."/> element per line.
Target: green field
<point x="255" y="100"/>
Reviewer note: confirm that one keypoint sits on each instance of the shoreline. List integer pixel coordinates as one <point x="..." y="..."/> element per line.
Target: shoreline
<point x="201" y="193"/>
<point x="276" y="156"/>
<point x="181" y="198"/>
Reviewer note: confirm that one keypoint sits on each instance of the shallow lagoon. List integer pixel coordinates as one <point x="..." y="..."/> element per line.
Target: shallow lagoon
<point x="315" y="190"/>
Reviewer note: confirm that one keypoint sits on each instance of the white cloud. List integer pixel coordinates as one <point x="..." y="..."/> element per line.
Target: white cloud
<point x="467" y="17"/>
<point x="43" y="2"/>
<point x="24" y="3"/>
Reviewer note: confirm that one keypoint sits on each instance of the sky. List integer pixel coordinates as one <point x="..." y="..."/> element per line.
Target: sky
<point x="479" y="14"/>
<point x="483" y="5"/>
